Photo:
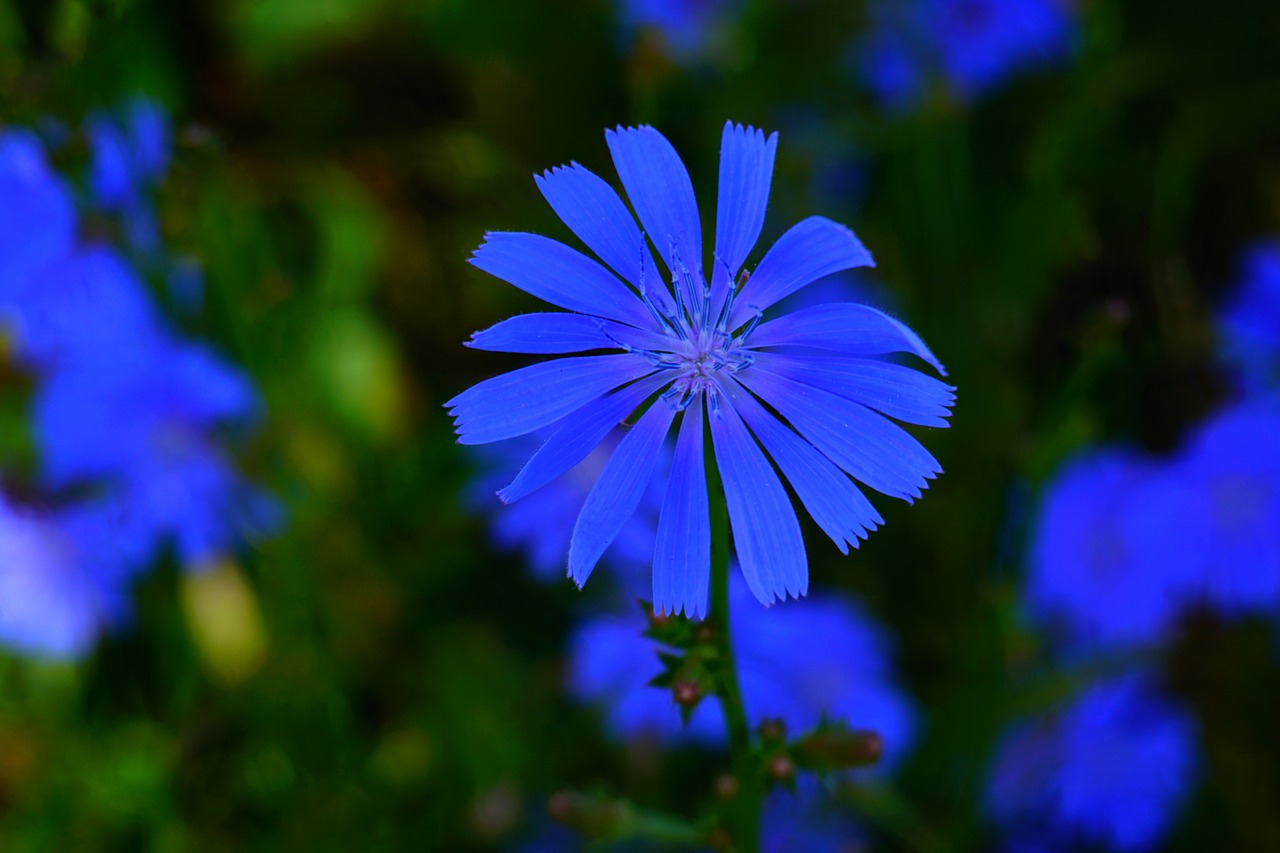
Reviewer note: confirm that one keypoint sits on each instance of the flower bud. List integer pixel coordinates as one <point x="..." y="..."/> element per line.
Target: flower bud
<point x="780" y="767"/>
<point x="593" y="815"/>
<point x="687" y="693"/>
<point x="773" y="731"/>
<point x="838" y="749"/>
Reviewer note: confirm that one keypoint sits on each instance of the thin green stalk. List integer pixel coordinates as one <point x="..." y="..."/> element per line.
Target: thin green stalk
<point x="744" y="811"/>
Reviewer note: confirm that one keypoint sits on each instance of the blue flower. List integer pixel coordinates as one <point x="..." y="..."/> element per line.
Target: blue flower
<point x="702" y="352"/>
<point x="800" y="663"/>
<point x="1249" y="322"/>
<point x="146" y="424"/>
<point x="1113" y="767"/>
<point x="129" y="155"/>
<point x="86" y="307"/>
<point x="541" y="528"/>
<point x="808" y="819"/>
<point x="686" y="26"/>
<point x="1105" y="564"/>
<point x="1230" y="536"/>
<point x="37" y="216"/>
<point x="62" y="581"/>
<point x="972" y="45"/>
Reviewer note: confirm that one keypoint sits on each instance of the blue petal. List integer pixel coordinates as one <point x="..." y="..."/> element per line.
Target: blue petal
<point x="843" y="327"/>
<point x="111" y="183"/>
<point x="811" y="249"/>
<point x="746" y="169"/>
<point x="151" y="138"/>
<point x="766" y="534"/>
<point x="660" y="191"/>
<point x="37" y="215"/>
<point x="532" y="397"/>
<point x="555" y="333"/>
<point x="835" y="503"/>
<point x="555" y="273"/>
<point x="578" y="435"/>
<point x="892" y="389"/>
<point x="682" y="556"/>
<point x="618" y="491"/>
<point x="872" y="449"/>
<point x="600" y="219"/>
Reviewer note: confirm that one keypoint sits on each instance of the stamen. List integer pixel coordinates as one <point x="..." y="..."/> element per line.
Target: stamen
<point x="713" y="401"/>
<point x="664" y="322"/>
<point x="600" y="324"/>
<point x="681" y="311"/>
<point x="663" y="360"/>
<point x="726" y="309"/>
<point x="690" y="288"/>
<point x="728" y="276"/>
<point x="686" y="397"/>
<point x="751" y="326"/>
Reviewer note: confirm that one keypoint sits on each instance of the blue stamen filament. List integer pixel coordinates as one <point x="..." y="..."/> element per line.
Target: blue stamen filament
<point x="699" y="351"/>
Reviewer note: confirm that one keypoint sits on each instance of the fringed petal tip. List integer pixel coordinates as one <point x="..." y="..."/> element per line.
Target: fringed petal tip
<point x="694" y="611"/>
<point x="782" y="597"/>
<point x="731" y="126"/>
<point x="551" y="172"/>
<point x="619" y="129"/>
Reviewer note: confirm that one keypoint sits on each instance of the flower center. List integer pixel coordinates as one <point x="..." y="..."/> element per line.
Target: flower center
<point x="700" y="344"/>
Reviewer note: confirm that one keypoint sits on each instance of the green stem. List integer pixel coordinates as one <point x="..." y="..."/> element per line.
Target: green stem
<point x="744" y="812"/>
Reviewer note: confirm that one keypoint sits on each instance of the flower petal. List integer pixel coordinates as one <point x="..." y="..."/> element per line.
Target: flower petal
<point x="872" y="449"/>
<point x="682" y="555"/>
<point x="617" y="493"/>
<point x="578" y="435"/>
<point x="532" y="397"/>
<point x="554" y="333"/>
<point x="766" y="534"/>
<point x="600" y="219"/>
<point x="746" y="170"/>
<point x="836" y="504"/>
<point x="811" y="249"/>
<point x="659" y="188"/>
<point x="891" y="389"/>
<point x="555" y="273"/>
<point x="843" y="327"/>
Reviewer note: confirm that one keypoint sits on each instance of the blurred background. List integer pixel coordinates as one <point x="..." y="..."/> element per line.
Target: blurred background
<point x="325" y="645"/>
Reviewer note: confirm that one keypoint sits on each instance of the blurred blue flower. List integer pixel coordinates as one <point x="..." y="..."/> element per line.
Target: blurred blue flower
<point x="541" y="528"/>
<point x="1249" y="322"/>
<point x="88" y="306"/>
<point x="129" y="154"/>
<point x="686" y="26"/>
<point x="1230" y="536"/>
<point x="129" y="419"/>
<point x="1103" y="565"/>
<point x="1113" y="767"/>
<point x="808" y="819"/>
<point x="701" y="347"/>
<point x="971" y="46"/>
<point x="147" y="422"/>
<point x="62" y="581"/>
<point x="37" y="217"/>
<point x="802" y="662"/>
